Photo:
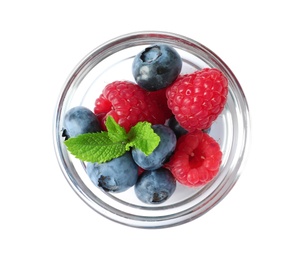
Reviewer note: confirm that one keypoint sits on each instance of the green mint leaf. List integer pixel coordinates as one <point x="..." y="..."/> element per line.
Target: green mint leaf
<point x="143" y="137"/>
<point x="95" y="147"/>
<point x="105" y="146"/>
<point x="116" y="133"/>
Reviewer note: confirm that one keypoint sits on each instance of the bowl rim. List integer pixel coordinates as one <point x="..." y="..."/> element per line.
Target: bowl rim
<point x="82" y="68"/>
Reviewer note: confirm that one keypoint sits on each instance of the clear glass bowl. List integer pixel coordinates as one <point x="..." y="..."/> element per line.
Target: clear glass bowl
<point x="112" y="61"/>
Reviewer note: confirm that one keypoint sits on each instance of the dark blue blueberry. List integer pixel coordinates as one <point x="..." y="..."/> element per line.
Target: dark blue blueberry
<point x="155" y="186"/>
<point x="80" y="120"/>
<point x="161" y="153"/>
<point x="116" y="175"/>
<point x="178" y="129"/>
<point x="156" y="67"/>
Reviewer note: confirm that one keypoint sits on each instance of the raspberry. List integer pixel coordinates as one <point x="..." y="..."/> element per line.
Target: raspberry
<point x="198" y="98"/>
<point x="159" y="96"/>
<point x="196" y="160"/>
<point x="128" y="104"/>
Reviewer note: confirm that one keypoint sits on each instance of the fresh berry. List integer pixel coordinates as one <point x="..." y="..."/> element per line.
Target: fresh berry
<point x="198" y="98"/>
<point x="116" y="175"/>
<point x="156" y="67"/>
<point x="196" y="160"/>
<point x="176" y="127"/>
<point x="155" y="186"/>
<point x="159" y="96"/>
<point x="161" y="153"/>
<point x="80" y="120"/>
<point x="128" y="104"/>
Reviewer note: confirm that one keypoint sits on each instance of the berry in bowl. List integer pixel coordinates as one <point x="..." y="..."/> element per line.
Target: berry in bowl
<point x="151" y="129"/>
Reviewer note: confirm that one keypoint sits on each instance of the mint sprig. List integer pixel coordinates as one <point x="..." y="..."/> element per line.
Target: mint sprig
<point x="107" y="145"/>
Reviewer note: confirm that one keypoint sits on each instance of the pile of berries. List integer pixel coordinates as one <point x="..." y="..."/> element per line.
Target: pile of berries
<point x="181" y="109"/>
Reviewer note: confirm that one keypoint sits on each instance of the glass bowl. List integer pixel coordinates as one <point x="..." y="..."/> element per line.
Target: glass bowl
<point x="113" y="61"/>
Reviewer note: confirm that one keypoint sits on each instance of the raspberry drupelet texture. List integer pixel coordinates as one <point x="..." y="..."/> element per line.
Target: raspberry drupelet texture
<point x="196" y="160"/>
<point x="128" y="104"/>
<point x="198" y="98"/>
<point x="159" y="96"/>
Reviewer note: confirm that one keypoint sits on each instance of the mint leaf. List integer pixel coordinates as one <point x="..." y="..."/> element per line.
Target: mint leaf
<point x="107" y="145"/>
<point x="95" y="147"/>
<point x="143" y="137"/>
<point x="116" y="133"/>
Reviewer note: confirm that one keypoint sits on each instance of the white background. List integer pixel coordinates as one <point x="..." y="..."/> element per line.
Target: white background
<point x="265" y="214"/>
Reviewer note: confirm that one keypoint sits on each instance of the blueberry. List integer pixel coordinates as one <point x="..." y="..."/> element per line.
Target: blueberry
<point x="116" y="175"/>
<point x="155" y="186"/>
<point x="161" y="153"/>
<point x="156" y="67"/>
<point x="80" y="120"/>
<point x="178" y="129"/>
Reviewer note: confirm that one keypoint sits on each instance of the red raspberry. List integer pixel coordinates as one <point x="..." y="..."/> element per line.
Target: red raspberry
<point x="159" y="96"/>
<point x="196" y="159"/>
<point x="128" y="104"/>
<point x="198" y="98"/>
